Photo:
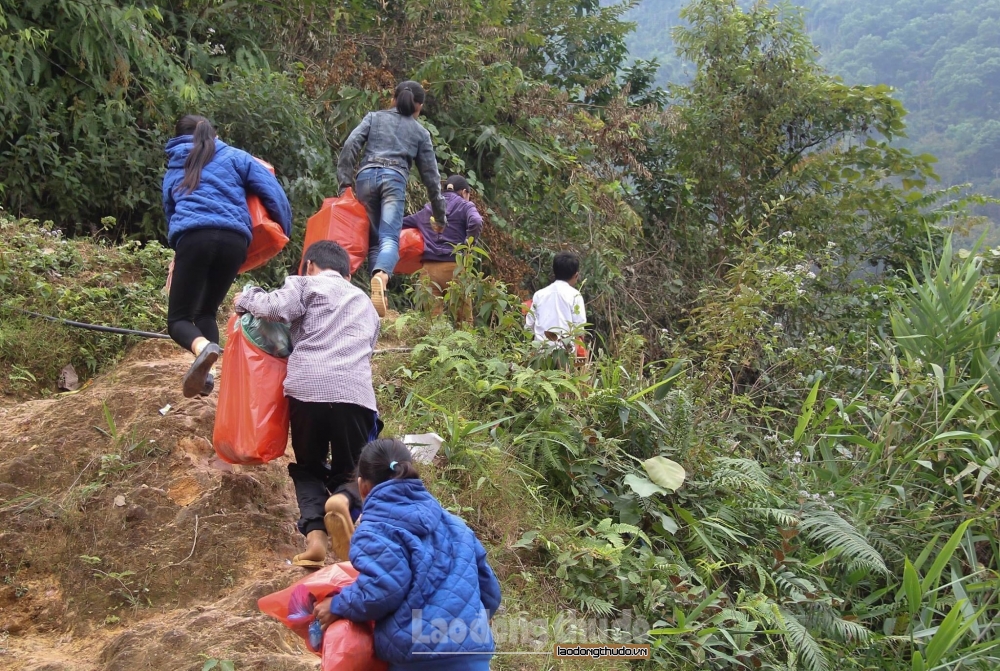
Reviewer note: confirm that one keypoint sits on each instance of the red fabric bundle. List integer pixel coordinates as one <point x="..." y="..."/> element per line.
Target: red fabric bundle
<point x="347" y="646"/>
<point x="268" y="236"/>
<point x="251" y="419"/>
<point x="343" y="220"/>
<point x="411" y="251"/>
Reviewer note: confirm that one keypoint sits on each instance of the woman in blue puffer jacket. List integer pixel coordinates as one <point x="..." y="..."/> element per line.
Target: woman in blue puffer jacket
<point x="423" y="576"/>
<point x="208" y="227"/>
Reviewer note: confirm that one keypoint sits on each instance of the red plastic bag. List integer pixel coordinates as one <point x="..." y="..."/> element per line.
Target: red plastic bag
<point x="343" y="220"/>
<point x="325" y="582"/>
<point x="268" y="236"/>
<point x="347" y="646"/>
<point x="411" y="251"/>
<point x="350" y="646"/>
<point x="251" y="419"/>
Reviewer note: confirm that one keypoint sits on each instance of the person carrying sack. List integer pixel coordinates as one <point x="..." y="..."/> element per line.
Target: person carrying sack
<point x="331" y="399"/>
<point x="423" y="576"/>
<point x="393" y="140"/>
<point x="464" y="222"/>
<point x="208" y="226"/>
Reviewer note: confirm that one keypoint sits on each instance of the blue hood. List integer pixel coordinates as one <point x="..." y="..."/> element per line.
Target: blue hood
<point x="405" y="504"/>
<point x="418" y="564"/>
<point x="220" y="201"/>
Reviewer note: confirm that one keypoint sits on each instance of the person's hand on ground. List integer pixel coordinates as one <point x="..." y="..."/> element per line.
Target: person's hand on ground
<point x="323" y="614"/>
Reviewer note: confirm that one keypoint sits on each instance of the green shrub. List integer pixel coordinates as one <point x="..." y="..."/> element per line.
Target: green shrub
<point x="88" y="281"/>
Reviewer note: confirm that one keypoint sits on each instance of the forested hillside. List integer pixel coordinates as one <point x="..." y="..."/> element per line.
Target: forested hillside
<point x="784" y="452"/>
<point x="942" y="57"/>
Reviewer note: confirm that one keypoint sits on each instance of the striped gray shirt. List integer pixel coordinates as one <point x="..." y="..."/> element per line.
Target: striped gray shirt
<point x="334" y="330"/>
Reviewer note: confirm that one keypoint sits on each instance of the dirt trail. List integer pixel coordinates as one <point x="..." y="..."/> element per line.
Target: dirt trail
<point x="124" y="545"/>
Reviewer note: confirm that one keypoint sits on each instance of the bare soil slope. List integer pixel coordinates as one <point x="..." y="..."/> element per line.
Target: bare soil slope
<point x="124" y="545"/>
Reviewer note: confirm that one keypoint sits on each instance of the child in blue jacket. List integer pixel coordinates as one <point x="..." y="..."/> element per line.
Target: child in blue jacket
<point x="423" y="576"/>
<point x="208" y="226"/>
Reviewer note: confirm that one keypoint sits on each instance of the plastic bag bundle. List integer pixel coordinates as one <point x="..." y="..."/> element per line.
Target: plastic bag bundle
<point x="268" y="236"/>
<point x="346" y="645"/>
<point x="274" y="338"/>
<point x="411" y="251"/>
<point x="301" y="606"/>
<point x="251" y="420"/>
<point x="343" y="220"/>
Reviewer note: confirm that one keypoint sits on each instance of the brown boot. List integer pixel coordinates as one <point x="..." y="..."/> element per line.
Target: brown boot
<point x="380" y="285"/>
<point x="339" y="526"/>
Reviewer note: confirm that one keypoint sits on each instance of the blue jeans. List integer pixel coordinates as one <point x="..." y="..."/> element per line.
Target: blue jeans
<point x="383" y="193"/>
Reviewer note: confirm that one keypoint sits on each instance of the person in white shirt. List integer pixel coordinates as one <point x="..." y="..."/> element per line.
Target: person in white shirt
<point x="557" y="314"/>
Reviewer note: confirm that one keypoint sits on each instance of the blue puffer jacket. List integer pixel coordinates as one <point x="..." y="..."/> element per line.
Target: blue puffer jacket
<point x="423" y="579"/>
<point x="220" y="201"/>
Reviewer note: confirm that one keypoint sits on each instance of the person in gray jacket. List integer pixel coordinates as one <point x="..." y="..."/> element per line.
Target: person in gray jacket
<point x="393" y="140"/>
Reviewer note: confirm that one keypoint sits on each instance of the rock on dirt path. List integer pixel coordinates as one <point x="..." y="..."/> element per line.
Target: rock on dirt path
<point x="124" y="545"/>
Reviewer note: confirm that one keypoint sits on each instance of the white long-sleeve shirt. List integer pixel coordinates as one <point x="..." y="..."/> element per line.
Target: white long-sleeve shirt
<point x="557" y="309"/>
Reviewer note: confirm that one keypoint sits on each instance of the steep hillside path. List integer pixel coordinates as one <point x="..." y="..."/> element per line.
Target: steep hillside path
<point x="124" y="544"/>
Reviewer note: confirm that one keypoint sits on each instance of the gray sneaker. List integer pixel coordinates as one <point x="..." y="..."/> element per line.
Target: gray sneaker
<point x="209" y="385"/>
<point x="197" y="376"/>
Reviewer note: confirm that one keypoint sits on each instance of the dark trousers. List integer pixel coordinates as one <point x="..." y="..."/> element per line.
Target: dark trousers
<point x="327" y="439"/>
<point x="206" y="261"/>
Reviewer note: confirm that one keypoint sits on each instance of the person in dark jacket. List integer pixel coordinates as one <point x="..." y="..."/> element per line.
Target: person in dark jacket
<point x="423" y="576"/>
<point x="464" y="222"/>
<point x="393" y="141"/>
<point x="208" y="226"/>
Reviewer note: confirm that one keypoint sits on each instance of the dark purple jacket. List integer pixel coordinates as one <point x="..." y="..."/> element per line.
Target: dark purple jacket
<point x="464" y="221"/>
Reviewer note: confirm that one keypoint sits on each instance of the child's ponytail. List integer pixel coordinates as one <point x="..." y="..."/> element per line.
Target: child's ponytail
<point x="201" y="153"/>
<point x="408" y="95"/>
<point x="386" y="459"/>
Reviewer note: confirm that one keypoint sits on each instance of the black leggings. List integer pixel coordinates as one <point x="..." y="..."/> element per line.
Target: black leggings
<point x="206" y="261"/>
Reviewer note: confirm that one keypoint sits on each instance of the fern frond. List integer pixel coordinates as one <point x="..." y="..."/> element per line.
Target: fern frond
<point x="678" y="427"/>
<point x="750" y="563"/>
<point x="596" y="605"/>
<point x="792" y="585"/>
<point x="739" y="475"/>
<point x="849" y="632"/>
<point x="802" y="643"/>
<point x="785" y="518"/>
<point x="831" y="530"/>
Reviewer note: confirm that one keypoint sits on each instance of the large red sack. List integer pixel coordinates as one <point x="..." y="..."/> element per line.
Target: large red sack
<point x="347" y="646"/>
<point x="268" y="236"/>
<point x="343" y="220"/>
<point x="350" y="646"/>
<point x="251" y="419"/>
<point x="411" y="249"/>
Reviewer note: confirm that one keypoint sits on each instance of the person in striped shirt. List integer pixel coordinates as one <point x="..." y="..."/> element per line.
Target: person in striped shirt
<point x="334" y="330"/>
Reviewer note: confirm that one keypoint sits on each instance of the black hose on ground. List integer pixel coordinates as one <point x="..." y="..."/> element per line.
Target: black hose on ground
<point x="95" y="327"/>
<point x="144" y="334"/>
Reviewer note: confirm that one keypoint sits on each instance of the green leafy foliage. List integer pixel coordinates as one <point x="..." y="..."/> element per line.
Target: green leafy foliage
<point x="938" y="57"/>
<point x="93" y="282"/>
<point x="783" y="453"/>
